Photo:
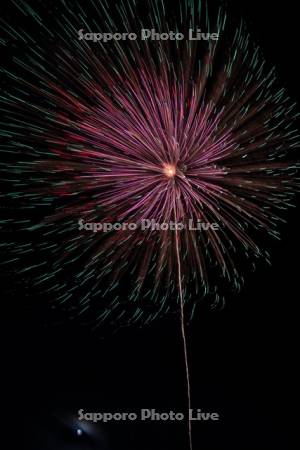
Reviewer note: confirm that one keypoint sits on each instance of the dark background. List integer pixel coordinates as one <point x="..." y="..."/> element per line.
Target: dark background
<point x="242" y="358"/>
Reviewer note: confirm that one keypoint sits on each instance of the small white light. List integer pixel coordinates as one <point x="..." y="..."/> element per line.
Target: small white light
<point x="79" y="432"/>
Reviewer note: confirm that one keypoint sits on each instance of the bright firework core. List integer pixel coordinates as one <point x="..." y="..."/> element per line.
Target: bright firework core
<point x="170" y="170"/>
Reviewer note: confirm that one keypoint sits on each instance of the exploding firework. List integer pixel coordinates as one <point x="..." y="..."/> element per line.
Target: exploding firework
<point x="161" y="122"/>
<point x="121" y="130"/>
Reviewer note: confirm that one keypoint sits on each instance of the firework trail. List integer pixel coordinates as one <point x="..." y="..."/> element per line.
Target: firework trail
<point x="126" y="130"/>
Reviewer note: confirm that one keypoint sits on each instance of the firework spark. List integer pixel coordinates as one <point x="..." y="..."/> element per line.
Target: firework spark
<point x="123" y="131"/>
<point x="129" y="130"/>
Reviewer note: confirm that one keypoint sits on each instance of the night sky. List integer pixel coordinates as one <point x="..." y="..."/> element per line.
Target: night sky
<point x="242" y="358"/>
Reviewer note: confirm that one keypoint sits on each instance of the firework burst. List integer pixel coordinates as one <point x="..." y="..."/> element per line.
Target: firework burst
<point x="123" y="131"/>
